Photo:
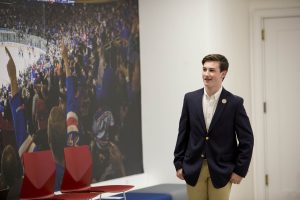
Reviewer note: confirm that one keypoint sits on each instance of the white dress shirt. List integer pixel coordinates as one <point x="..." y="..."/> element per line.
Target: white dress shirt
<point x="209" y="104"/>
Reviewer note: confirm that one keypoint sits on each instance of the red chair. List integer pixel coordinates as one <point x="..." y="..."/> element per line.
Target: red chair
<point x="78" y="173"/>
<point x="39" y="178"/>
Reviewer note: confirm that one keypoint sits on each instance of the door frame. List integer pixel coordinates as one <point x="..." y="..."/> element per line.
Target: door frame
<point x="258" y="92"/>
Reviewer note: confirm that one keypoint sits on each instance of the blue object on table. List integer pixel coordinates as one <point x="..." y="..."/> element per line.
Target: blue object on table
<point x="144" y="196"/>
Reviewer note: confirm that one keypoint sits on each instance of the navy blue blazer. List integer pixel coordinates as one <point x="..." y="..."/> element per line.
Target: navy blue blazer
<point x="227" y="145"/>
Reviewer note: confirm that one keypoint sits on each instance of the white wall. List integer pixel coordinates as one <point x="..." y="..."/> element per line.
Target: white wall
<point x="174" y="37"/>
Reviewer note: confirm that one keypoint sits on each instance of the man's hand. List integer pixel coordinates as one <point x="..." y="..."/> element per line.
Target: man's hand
<point x="64" y="53"/>
<point x="11" y="67"/>
<point x="235" y="179"/>
<point x="179" y="174"/>
<point x="11" y="70"/>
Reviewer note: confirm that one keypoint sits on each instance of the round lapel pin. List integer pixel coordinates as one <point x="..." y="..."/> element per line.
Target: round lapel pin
<point x="224" y="101"/>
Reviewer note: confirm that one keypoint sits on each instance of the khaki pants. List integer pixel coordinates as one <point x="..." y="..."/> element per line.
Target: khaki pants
<point x="204" y="189"/>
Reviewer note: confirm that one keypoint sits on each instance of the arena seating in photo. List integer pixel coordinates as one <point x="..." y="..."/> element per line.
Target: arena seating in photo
<point x="78" y="173"/>
<point x="39" y="178"/>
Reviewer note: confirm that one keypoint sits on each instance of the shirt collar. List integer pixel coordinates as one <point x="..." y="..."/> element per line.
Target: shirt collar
<point x="214" y="96"/>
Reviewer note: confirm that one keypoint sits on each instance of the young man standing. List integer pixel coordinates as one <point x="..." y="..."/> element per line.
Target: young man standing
<point x="215" y="139"/>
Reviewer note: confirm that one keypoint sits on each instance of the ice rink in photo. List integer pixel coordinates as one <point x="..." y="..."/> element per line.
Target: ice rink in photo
<point x="23" y="56"/>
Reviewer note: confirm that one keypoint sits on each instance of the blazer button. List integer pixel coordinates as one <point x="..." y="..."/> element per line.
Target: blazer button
<point x="206" y="138"/>
<point x="202" y="155"/>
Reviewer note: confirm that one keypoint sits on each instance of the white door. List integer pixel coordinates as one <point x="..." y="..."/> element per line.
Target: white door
<point x="282" y="94"/>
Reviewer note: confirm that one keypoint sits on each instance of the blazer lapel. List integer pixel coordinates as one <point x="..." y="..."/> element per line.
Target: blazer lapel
<point x="219" y="110"/>
<point x="199" y="107"/>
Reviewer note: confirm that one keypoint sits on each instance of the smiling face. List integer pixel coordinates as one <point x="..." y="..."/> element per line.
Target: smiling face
<point x="212" y="76"/>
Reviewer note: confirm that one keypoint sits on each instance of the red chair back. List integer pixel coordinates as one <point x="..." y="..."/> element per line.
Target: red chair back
<point x="78" y="169"/>
<point x="39" y="175"/>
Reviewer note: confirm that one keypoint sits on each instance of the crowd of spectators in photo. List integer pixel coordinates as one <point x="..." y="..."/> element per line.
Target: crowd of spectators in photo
<point x="102" y="51"/>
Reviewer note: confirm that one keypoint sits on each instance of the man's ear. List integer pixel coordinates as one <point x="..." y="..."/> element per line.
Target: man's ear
<point x="223" y="73"/>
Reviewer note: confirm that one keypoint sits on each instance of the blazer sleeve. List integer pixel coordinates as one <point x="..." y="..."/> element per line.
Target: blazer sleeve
<point x="246" y="141"/>
<point x="183" y="135"/>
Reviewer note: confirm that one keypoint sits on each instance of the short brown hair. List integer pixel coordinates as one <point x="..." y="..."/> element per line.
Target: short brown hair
<point x="217" y="57"/>
<point x="57" y="131"/>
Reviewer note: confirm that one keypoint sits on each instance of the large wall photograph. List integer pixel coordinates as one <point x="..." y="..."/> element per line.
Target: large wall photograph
<point x="97" y="104"/>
